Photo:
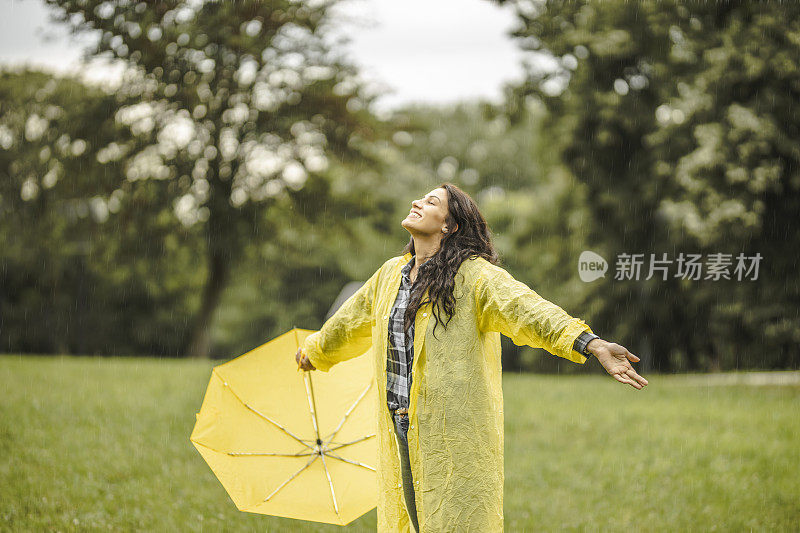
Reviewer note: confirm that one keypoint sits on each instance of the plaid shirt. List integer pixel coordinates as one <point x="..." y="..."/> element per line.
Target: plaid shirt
<point x="400" y="352"/>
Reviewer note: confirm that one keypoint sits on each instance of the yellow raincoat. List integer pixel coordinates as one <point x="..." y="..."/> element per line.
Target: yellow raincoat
<point x="455" y="435"/>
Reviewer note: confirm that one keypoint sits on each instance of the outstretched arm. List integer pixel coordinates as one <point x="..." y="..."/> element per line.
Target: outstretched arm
<point x="509" y="306"/>
<point x="347" y="334"/>
<point x="518" y="312"/>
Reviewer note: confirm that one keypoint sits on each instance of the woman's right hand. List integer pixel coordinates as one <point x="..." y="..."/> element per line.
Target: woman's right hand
<point x="302" y="360"/>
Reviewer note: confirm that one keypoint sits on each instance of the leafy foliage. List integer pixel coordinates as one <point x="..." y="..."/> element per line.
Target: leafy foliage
<point x="237" y="104"/>
<point x="679" y="117"/>
<point x="86" y="257"/>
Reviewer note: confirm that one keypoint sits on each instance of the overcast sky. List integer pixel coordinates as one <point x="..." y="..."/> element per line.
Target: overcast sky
<point x="433" y="51"/>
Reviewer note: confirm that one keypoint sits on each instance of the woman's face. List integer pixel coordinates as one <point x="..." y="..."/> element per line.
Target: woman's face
<point x="428" y="214"/>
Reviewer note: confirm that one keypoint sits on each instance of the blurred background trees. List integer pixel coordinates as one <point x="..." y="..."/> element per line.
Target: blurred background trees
<point x="679" y="120"/>
<point x="239" y="178"/>
<point x="235" y="102"/>
<point x="91" y="264"/>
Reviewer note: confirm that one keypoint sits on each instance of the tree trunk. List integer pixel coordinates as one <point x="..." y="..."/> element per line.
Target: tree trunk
<point x="223" y="248"/>
<point x="200" y="338"/>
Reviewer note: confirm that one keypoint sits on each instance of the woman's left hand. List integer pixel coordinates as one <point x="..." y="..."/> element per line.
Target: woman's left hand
<point x="615" y="359"/>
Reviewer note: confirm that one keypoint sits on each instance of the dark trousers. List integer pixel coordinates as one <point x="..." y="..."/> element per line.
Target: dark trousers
<point x="401" y="431"/>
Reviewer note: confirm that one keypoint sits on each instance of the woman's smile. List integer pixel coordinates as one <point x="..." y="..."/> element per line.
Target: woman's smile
<point x="427" y="221"/>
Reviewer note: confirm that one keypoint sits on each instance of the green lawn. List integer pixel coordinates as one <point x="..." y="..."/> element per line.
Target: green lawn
<point x="103" y="444"/>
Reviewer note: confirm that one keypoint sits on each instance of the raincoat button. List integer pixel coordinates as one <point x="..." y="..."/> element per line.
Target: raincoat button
<point x="385" y="317"/>
<point x="424" y="314"/>
<point x="412" y="426"/>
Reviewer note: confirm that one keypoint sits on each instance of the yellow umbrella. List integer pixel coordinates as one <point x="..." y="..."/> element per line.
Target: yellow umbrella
<point x="292" y="443"/>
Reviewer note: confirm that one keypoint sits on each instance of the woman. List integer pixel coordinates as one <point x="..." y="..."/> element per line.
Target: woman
<point x="432" y="320"/>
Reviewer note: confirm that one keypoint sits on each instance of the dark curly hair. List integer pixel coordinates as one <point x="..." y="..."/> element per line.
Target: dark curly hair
<point x="472" y="238"/>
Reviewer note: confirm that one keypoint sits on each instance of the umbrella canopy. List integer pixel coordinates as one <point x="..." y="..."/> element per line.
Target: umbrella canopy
<point x="292" y="443"/>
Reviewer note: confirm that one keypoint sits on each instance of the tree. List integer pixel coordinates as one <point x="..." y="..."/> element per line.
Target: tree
<point x="678" y="118"/>
<point x="240" y="104"/>
<point x="85" y="257"/>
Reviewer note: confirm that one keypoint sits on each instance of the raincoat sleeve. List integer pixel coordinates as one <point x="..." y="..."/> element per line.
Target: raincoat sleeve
<point x="346" y="334"/>
<point x="509" y="306"/>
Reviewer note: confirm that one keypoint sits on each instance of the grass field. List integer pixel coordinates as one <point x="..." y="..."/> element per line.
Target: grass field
<point x="103" y="444"/>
